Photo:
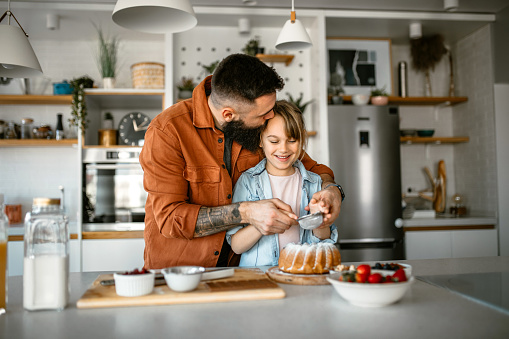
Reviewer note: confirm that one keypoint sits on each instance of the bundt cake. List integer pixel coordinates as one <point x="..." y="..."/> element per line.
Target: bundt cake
<point x="309" y="259"/>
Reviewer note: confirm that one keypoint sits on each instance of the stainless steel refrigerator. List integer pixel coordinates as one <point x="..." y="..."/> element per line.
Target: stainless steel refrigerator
<point x="364" y="146"/>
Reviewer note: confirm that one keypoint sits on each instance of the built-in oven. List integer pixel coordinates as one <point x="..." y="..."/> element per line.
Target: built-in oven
<point x="113" y="194"/>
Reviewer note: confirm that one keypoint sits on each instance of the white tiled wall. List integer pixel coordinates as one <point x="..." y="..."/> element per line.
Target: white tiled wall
<point x="476" y="160"/>
<point x="416" y="157"/>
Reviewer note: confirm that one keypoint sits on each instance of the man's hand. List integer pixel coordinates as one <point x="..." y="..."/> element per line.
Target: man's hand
<point x="268" y="216"/>
<point x="329" y="202"/>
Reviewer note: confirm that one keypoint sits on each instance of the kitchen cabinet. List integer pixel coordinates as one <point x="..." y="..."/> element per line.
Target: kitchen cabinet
<point x="451" y="243"/>
<point x="112" y="254"/>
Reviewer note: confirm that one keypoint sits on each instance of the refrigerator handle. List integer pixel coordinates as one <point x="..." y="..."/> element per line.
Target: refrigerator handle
<point x="398" y="223"/>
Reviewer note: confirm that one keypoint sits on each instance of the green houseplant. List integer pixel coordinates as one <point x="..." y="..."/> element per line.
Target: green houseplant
<point x="107" y="58"/>
<point x="252" y="46"/>
<point x="186" y="87"/>
<point x="78" y="105"/>
<point x="379" y="96"/>
<point x="298" y="102"/>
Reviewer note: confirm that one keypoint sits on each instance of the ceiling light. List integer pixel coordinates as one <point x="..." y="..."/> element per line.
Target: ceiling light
<point x="293" y="36"/>
<point x="451" y="5"/>
<point x="52" y="21"/>
<point x="415" y="30"/>
<point x="244" y="26"/>
<point x="155" y="16"/>
<point x="17" y="58"/>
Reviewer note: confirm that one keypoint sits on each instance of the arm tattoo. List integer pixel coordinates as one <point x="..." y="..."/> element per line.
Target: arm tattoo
<point x="212" y="220"/>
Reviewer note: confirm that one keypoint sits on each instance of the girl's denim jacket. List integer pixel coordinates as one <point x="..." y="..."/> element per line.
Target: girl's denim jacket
<point x="254" y="185"/>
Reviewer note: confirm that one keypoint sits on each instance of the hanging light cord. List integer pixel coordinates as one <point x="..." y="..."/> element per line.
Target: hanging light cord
<point x="8" y="13"/>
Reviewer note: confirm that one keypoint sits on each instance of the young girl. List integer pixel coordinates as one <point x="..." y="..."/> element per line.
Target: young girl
<point x="280" y="175"/>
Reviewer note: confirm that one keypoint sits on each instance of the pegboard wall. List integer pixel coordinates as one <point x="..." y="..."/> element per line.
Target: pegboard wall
<point x="205" y="45"/>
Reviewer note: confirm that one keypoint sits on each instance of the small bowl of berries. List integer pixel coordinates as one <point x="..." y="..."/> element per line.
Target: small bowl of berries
<point x="134" y="283"/>
<point x="362" y="286"/>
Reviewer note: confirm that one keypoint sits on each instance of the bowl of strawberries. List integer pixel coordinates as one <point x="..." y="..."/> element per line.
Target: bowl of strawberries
<point x="367" y="287"/>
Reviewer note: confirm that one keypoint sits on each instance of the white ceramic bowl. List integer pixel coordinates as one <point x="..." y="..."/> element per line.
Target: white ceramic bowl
<point x="183" y="278"/>
<point x="134" y="285"/>
<point x="360" y="99"/>
<point x="370" y="295"/>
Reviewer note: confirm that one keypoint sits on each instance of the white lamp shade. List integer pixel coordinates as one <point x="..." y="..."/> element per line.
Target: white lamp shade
<point x="155" y="16"/>
<point x="293" y="37"/>
<point x="17" y="58"/>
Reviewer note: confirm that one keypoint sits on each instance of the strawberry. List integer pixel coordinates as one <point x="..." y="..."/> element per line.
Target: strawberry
<point x="399" y="276"/>
<point x="375" y="278"/>
<point x="364" y="269"/>
<point x="361" y="277"/>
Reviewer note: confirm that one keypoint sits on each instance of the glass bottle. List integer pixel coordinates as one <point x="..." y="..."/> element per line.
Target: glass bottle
<point x="11" y="131"/>
<point x="26" y="128"/>
<point x="4" y="222"/>
<point x="46" y="262"/>
<point x="59" y="133"/>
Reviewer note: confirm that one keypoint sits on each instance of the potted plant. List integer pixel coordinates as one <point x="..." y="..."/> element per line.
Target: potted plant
<point x="426" y="52"/>
<point x="78" y="106"/>
<point x="209" y="69"/>
<point x="298" y="102"/>
<point x="379" y="96"/>
<point x="107" y="58"/>
<point x="252" y="46"/>
<point x="186" y="87"/>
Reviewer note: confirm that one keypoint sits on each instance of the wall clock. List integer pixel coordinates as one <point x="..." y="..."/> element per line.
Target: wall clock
<point x="132" y="128"/>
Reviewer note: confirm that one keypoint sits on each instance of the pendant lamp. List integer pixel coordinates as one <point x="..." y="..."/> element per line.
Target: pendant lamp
<point x="293" y="36"/>
<point x="17" y="58"/>
<point x="155" y="16"/>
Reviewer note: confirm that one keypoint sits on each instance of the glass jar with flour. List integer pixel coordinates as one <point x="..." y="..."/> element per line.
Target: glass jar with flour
<point x="46" y="262"/>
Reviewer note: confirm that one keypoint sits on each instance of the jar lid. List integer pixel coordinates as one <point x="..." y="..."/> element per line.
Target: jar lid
<point x="27" y="120"/>
<point x="46" y="201"/>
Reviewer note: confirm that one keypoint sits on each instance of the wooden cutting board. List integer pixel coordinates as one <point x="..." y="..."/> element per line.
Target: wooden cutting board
<point x="297" y="279"/>
<point x="246" y="284"/>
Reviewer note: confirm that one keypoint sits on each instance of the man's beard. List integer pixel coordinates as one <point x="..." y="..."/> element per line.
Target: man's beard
<point x="247" y="137"/>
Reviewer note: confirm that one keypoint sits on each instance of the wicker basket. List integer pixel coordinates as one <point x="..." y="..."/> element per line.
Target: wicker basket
<point x="148" y="75"/>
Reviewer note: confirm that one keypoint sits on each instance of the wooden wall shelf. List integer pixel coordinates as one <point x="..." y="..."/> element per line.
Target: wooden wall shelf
<point x="433" y="140"/>
<point x="286" y="58"/>
<point x="38" y="143"/>
<point x="35" y="99"/>
<point x="418" y="101"/>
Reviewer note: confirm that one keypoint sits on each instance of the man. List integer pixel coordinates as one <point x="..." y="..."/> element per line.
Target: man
<point x="194" y="153"/>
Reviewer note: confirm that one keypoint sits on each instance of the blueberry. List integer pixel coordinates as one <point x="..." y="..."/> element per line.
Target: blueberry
<point x="378" y="266"/>
<point x="387" y="267"/>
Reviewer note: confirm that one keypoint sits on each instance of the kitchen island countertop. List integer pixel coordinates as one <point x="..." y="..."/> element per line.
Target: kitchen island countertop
<point x="426" y="311"/>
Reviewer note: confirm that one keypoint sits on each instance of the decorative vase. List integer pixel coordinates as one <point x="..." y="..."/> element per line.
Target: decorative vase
<point x="379" y="100"/>
<point x="427" y="84"/>
<point x="108" y="83"/>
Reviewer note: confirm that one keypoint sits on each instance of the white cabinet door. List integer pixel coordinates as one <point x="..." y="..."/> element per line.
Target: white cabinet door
<point x="474" y="243"/>
<point x="16" y="253"/>
<point x="451" y="244"/>
<point x="428" y="245"/>
<point x="112" y="254"/>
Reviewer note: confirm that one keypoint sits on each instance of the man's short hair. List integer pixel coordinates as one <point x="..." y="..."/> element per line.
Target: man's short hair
<point x="240" y="79"/>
